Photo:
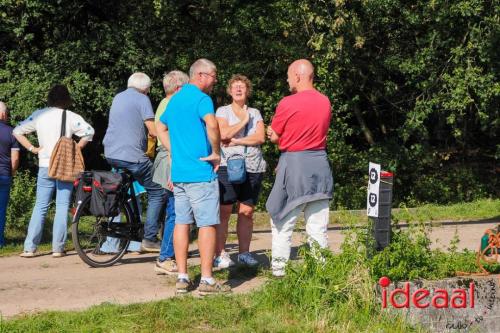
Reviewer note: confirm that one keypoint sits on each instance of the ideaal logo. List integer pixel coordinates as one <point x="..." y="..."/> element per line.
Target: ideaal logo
<point x="459" y="299"/>
<point x="422" y="298"/>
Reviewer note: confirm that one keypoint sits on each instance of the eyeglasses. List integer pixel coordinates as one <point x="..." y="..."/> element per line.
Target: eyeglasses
<point x="213" y="76"/>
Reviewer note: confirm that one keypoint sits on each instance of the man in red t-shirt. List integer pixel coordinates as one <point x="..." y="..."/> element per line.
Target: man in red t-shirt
<point x="304" y="180"/>
<point x="302" y="119"/>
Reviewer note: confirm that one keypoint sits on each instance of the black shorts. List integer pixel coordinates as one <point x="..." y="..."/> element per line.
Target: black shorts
<point x="247" y="192"/>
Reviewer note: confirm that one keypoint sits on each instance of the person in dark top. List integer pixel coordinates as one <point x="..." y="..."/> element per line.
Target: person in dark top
<point x="9" y="161"/>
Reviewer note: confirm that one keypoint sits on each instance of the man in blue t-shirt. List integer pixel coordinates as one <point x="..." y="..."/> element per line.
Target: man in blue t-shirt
<point x="9" y="161"/>
<point x="189" y="130"/>
<point x="131" y="118"/>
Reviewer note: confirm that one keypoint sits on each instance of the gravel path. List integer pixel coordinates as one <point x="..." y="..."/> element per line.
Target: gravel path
<point x="42" y="283"/>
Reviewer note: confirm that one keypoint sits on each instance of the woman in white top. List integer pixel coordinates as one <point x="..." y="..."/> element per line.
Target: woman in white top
<point x="242" y="133"/>
<point x="46" y="123"/>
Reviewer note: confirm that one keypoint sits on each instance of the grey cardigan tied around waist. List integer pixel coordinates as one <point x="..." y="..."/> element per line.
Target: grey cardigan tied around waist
<point x="301" y="177"/>
<point x="161" y="167"/>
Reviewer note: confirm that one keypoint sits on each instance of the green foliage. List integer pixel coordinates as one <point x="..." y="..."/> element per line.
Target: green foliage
<point x="414" y="85"/>
<point x="410" y="257"/>
<point x="22" y="200"/>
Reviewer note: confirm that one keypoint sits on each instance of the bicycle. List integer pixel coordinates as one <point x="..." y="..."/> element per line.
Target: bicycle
<point x="89" y="232"/>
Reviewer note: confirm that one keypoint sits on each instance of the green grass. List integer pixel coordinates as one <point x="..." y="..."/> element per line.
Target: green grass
<point x="479" y="209"/>
<point x="334" y="296"/>
<point x="331" y="295"/>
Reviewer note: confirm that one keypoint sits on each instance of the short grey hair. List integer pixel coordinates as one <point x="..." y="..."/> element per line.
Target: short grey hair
<point x="200" y="66"/>
<point x="174" y="79"/>
<point x="139" y="81"/>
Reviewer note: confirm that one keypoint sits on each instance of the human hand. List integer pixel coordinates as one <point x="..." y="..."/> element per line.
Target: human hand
<point x="170" y="186"/>
<point x="36" y="150"/>
<point x="234" y="142"/>
<point x="269" y="132"/>
<point x="214" y="159"/>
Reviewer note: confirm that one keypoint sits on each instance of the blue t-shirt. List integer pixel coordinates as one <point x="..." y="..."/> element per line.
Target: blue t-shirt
<point x="7" y="143"/>
<point x="126" y="136"/>
<point x="188" y="135"/>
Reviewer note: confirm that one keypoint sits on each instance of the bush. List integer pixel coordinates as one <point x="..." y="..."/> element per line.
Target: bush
<point x="22" y="200"/>
<point x="409" y="257"/>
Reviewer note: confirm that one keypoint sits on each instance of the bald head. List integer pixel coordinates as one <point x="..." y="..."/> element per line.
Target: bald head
<point x="300" y="75"/>
<point x="303" y="67"/>
<point x="4" y="113"/>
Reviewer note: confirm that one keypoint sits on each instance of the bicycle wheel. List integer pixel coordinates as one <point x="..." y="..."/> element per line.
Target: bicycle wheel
<point x="100" y="241"/>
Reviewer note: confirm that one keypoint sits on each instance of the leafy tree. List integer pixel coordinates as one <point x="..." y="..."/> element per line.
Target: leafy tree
<point x="414" y="85"/>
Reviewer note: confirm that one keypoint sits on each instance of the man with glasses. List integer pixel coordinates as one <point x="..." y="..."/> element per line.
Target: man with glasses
<point x="189" y="130"/>
<point x="131" y="118"/>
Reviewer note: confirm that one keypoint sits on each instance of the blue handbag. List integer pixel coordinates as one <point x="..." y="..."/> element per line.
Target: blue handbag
<point x="236" y="168"/>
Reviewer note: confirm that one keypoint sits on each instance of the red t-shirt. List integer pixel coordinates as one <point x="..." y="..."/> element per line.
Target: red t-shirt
<point x="302" y="120"/>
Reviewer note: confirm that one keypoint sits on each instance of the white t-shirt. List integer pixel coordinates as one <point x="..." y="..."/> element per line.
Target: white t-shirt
<point x="254" y="160"/>
<point x="47" y="124"/>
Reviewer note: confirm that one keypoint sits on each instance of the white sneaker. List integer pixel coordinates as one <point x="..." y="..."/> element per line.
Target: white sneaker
<point x="279" y="273"/>
<point x="223" y="261"/>
<point x="247" y="259"/>
<point x="28" y="254"/>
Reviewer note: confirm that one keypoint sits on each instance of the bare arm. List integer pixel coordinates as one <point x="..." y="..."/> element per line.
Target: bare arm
<point x="162" y="132"/>
<point x="271" y="135"/>
<point x="150" y="125"/>
<point x="26" y="143"/>
<point x="214" y="138"/>
<point x="255" y="139"/>
<point x="228" y="132"/>
<point x="213" y="132"/>
<point x="14" y="160"/>
<point x="82" y="143"/>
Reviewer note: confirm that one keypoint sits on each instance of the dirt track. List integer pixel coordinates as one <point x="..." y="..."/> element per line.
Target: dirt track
<point x="46" y="283"/>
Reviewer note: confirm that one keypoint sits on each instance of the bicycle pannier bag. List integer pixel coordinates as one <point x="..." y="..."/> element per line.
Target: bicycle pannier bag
<point x="106" y="186"/>
<point x="78" y="189"/>
<point x="66" y="161"/>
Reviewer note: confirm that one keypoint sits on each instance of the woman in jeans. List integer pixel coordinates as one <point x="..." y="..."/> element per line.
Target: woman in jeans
<point x="242" y="132"/>
<point x="46" y="123"/>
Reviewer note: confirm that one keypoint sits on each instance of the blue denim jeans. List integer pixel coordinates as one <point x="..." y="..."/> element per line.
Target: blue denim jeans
<point x="45" y="188"/>
<point x="143" y="173"/>
<point x="5" y="183"/>
<point x="167" y="242"/>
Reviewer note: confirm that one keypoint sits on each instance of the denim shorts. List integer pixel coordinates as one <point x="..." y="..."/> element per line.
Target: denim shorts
<point x="197" y="202"/>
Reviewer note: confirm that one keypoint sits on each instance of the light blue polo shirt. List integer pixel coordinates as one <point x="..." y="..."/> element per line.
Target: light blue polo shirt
<point x="126" y="136"/>
<point x="188" y="135"/>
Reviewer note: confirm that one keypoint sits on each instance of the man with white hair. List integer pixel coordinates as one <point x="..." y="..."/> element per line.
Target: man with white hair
<point x="131" y="118"/>
<point x="172" y="83"/>
<point x="9" y="161"/>
<point x="189" y="130"/>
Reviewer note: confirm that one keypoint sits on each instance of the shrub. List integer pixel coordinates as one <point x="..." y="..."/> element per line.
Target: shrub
<point x="22" y="200"/>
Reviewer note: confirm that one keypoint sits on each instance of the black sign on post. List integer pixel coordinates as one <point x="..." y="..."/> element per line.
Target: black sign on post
<point x="379" y="205"/>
